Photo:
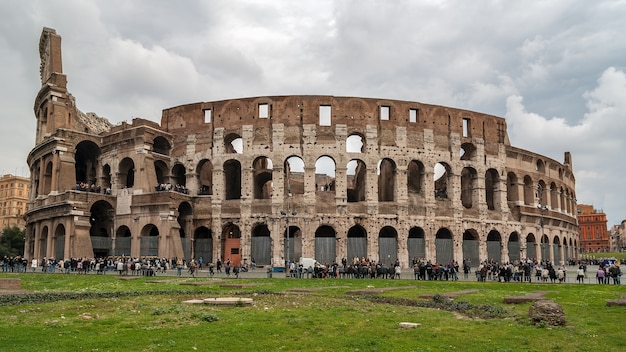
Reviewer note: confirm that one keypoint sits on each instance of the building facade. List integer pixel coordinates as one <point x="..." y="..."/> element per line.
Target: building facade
<point x="276" y="178"/>
<point x="13" y="200"/>
<point x="594" y="236"/>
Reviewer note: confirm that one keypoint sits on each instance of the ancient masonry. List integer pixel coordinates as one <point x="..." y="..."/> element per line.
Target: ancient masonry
<point x="284" y="177"/>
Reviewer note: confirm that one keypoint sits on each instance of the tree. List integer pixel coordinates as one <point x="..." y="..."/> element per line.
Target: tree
<point x="12" y="241"/>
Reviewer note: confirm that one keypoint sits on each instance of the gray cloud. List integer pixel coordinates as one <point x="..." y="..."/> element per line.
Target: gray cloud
<point x="554" y="69"/>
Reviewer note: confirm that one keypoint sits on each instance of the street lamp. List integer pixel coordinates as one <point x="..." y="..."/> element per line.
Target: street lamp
<point x="287" y="214"/>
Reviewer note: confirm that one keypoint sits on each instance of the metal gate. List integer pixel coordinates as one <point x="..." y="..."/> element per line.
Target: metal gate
<point x="514" y="251"/>
<point x="471" y="251"/>
<point x="261" y="250"/>
<point x="59" y="250"/>
<point x="122" y="246"/>
<point x="203" y="247"/>
<point x="417" y="248"/>
<point x="325" y="249"/>
<point x="186" y="244"/>
<point x="531" y="251"/>
<point x="101" y="244"/>
<point x="557" y="254"/>
<point x="357" y="247"/>
<point x="149" y="246"/>
<point x="444" y="252"/>
<point x="387" y="250"/>
<point x="493" y="251"/>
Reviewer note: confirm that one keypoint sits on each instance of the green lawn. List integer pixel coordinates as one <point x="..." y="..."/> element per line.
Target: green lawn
<point x="144" y="315"/>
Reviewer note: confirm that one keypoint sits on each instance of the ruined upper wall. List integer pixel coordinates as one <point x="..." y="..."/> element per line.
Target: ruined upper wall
<point x="356" y="113"/>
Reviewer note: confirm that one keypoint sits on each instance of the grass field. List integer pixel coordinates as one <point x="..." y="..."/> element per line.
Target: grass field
<point x="104" y="313"/>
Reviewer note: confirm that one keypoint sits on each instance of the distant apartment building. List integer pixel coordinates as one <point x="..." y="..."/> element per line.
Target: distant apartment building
<point x="592" y="226"/>
<point x="13" y="199"/>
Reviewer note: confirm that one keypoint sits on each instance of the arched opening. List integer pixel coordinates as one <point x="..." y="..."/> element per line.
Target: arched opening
<point x="205" y="177"/>
<point x="179" y="179"/>
<point x="231" y="244"/>
<point x="292" y="240"/>
<point x="203" y="244"/>
<point x="160" y="170"/>
<point x="556" y="250"/>
<point x="325" y="177"/>
<point x="416" y="244"/>
<point x="471" y="245"/>
<point x="185" y="221"/>
<point x="101" y="221"/>
<point x="355" y="143"/>
<point x="468" y="151"/>
<point x="161" y="145"/>
<point x="261" y="245"/>
<point x="47" y="178"/>
<point x="357" y="243"/>
<point x="388" y="246"/>
<point x="122" y="241"/>
<point x="415" y="177"/>
<point x="86" y="162"/>
<point x="43" y="243"/>
<point x="494" y="246"/>
<point x="325" y="244"/>
<point x="469" y="186"/>
<point x="531" y="247"/>
<point x="444" y="247"/>
<point x="262" y="173"/>
<point x="515" y="252"/>
<point x="356" y="174"/>
<point x="127" y="173"/>
<point x="149" y="241"/>
<point x="233" y="144"/>
<point x="106" y="179"/>
<point x="232" y="179"/>
<point x="294" y="175"/>
<point x="512" y="194"/>
<point x="529" y="191"/>
<point x="59" y="242"/>
<point x="545" y="248"/>
<point x="492" y="185"/>
<point x="443" y="178"/>
<point x="386" y="180"/>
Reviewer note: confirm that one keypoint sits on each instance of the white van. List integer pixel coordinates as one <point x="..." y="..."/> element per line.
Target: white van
<point x="307" y="262"/>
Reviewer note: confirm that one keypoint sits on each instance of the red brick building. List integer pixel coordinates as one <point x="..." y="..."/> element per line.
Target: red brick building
<point x="594" y="236"/>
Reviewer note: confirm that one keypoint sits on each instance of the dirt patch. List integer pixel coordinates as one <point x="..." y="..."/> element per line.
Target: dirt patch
<point x="450" y="295"/>
<point x="313" y="289"/>
<point x="531" y="297"/>
<point x="372" y="291"/>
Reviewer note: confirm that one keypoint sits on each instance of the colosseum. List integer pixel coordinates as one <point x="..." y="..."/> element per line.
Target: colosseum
<point x="277" y="178"/>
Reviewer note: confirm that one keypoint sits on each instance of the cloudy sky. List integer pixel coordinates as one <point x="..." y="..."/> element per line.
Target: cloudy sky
<point x="556" y="70"/>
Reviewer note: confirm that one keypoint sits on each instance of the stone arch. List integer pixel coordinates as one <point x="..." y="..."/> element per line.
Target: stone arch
<point x="356" y="180"/>
<point x="444" y="246"/>
<point x="469" y="187"/>
<point x="294" y="175"/>
<point x="357" y="242"/>
<point x="149" y="241"/>
<point x="545" y="248"/>
<point x="47" y="178"/>
<point x="232" y="179"/>
<point x="468" y="151"/>
<point x="325" y="168"/>
<point x="387" y="246"/>
<point x="443" y="179"/>
<point x="86" y="162"/>
<point x="233" y="144"/>
<point x="415" y="177"/>
<point x="540" y="166"/>
<point x="512" y="193"/>
<point x="355" y="143"/>
<point x="106" y="177"/>
<point x="161" y="145"/>
<point x="178" y="175"/>
<point x="231" y="244"/>
<point x="416" y="243"/>
<point x="554" y="196"/>
<point x="492" y="188"/>
<point x="160" y="170"/>
<point x="122" y="241"/>
<point x="101" y="221"/>
<point x="514" y="247"/>
<point x="471" y="247"/>
<point x="43" y="242"/>
<point x="185" y="220"/>
<point x="531" y="246"/>
<point x="386" y="180"/>
<point x="127" y="173"/>
<point x="203" y="244"/>
<point x="261" y="245"/>
<point x="529" y="191"/>
<point x="325" y="244"/>
<point x="262" y="175"/>
<point x="204" y="173"/>
<point x="494" y="246"/>
<point x="556" y="250"/>
<point x="542" y="193"/>
<point x="292" y="241"/>
<point x="59" y="242"/>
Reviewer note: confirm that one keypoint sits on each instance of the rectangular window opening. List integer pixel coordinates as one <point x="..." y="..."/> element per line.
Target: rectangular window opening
<point x="207" y="116"/>
<point x="384" y="113"/>
<point x="466" y="127"/>
<point x="413" y="115"/>
<point x="264" y="111"/>
<point x="325" y="115"/>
